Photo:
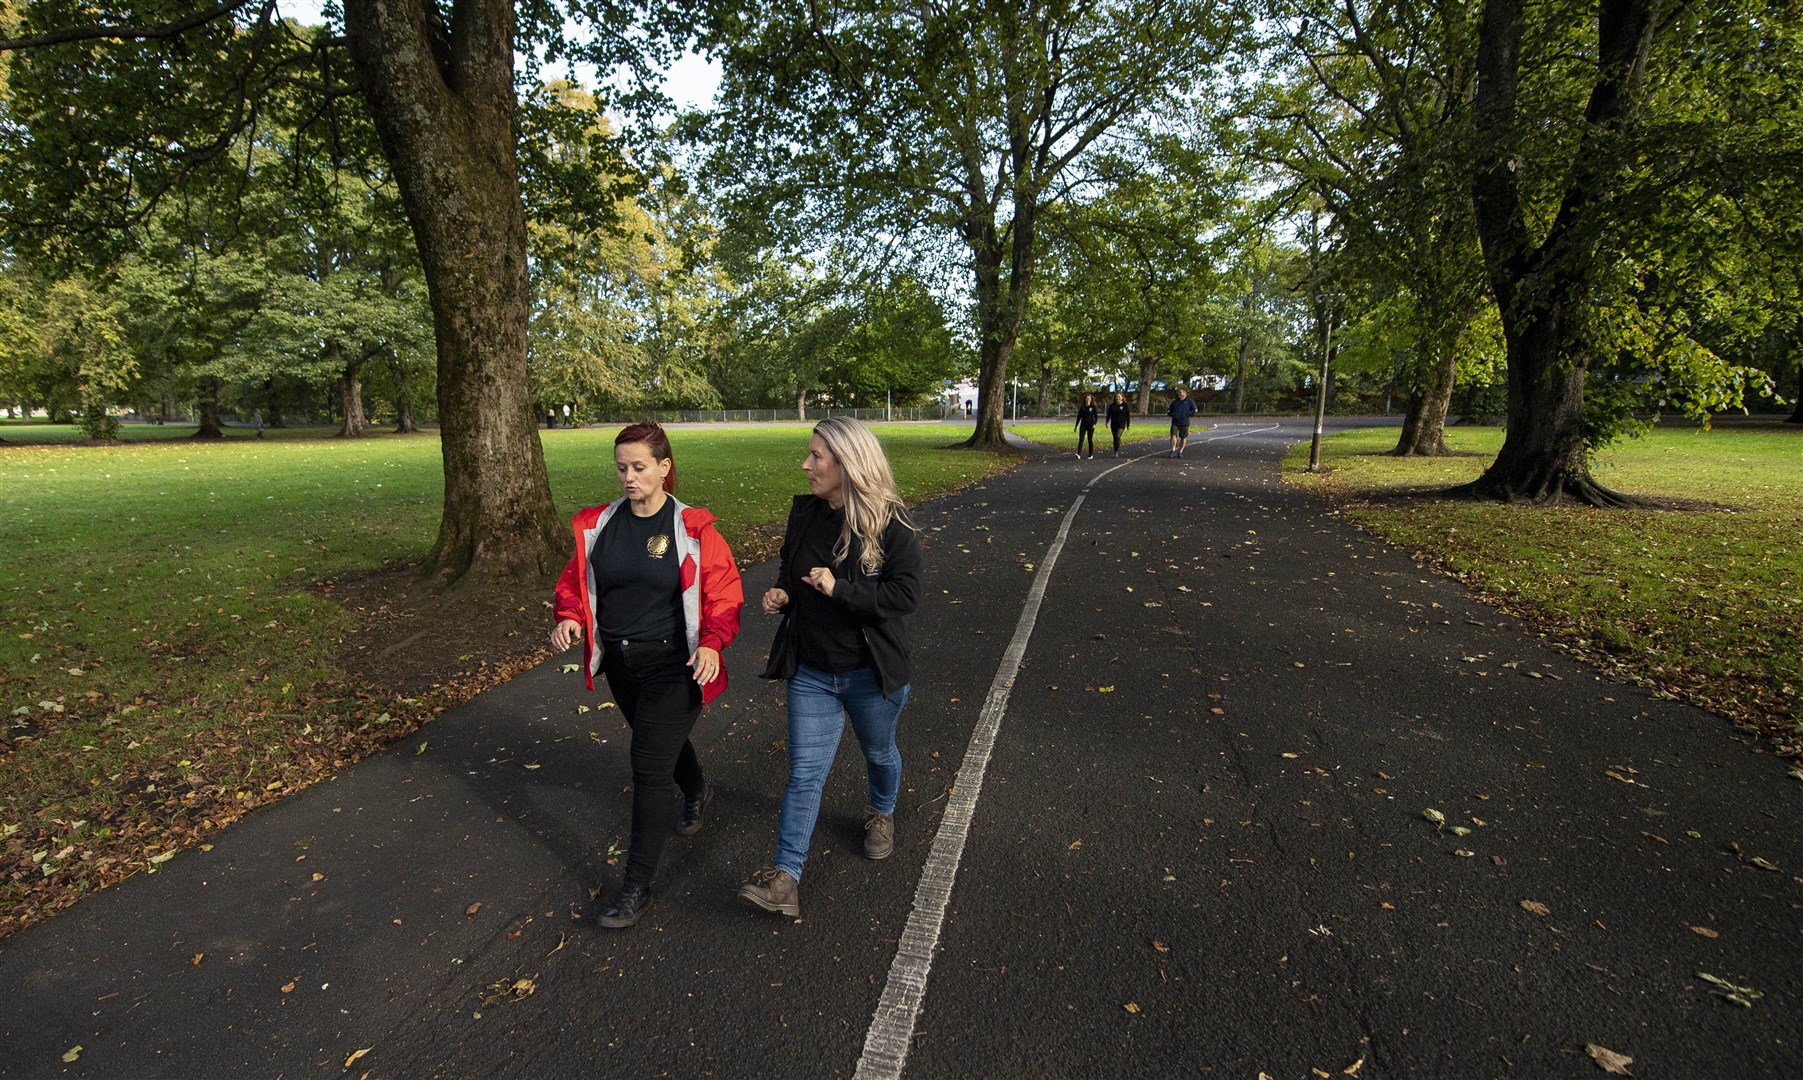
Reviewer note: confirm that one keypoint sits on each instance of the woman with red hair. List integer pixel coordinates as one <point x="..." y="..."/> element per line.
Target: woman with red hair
<point x="653" y="594"/>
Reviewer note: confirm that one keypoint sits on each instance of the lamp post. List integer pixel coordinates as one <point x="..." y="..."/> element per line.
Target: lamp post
<point x="1314" y="447"/>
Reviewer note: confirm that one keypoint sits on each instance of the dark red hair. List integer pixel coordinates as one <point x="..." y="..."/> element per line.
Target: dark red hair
<point x="652" y="435"/>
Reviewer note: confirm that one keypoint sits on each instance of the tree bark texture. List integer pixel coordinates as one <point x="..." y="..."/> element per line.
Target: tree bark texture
<point x="206" y="390"/>
<point x="355" y="424"/>
<point x="1424" y="425"/>
<point x="1148" y="367"/>
<point x="999" y="312"/>
<point x="1540" y="288"/>
<point x="439" y="82"/>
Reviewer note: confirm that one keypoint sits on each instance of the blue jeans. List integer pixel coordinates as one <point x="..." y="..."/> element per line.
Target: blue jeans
<point x="819" y="701"/>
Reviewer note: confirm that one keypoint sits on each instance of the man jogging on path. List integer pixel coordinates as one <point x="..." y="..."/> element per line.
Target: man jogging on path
<point x="1182" y="408"/>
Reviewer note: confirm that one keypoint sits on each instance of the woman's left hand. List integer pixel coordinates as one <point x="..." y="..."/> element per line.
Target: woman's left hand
<point x="822" y="579"/>
<point x="706" y="663"/>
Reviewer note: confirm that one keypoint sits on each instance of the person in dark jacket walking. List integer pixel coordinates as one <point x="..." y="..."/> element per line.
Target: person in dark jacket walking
<point x="1086" y="424"/>
<point x="849" y="572"/>
<point x="653" y="594"/>
<point x="1182" y="408"/>
<point x="1120" y="418"/>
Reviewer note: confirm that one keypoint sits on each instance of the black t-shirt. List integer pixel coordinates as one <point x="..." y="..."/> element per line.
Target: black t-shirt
<point x="638" y="576"/>
<point x="827" y="636"/>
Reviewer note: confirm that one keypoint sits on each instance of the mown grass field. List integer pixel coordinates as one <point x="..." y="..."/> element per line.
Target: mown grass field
<point x="169" y="655"/>
<point x="1702" y="605"/>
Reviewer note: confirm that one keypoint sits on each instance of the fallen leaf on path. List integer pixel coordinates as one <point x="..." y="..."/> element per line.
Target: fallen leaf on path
<point x="1434" y="816"/>
<point x="1744" y="996"/>
<point x="288" y="987"/>
<point x="571" y="668"/>
<point x="1289" y="755"/>
<point x="1353" y="1069"/>
<point x="1131" y="1007"/>
<point x="1764" y="865"/>
<point x="1159" y="946"/>
<point x="1104" y="689"/>
<point x="1608" y="1060"/>
<point x="352" y="1060"/>
<point x="197" y="958"/>
<point x="1074" y="845"/>
<point x="420" y="749"/>
<point x="73" y="1055"/>
<point x="473" y="908"/>
<point x="502" y="990"/>
<point x="1704" y="931"/>
<point x="1535" y="907"/>
<point x="1458" y="830"/>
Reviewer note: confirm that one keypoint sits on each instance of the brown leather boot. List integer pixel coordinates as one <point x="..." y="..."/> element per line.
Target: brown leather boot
<point x="879" y="834"/>
<point x="773" y="890"/>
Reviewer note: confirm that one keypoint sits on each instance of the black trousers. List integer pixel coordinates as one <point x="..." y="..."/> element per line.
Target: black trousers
<point x="1086" y="433"/>
<point x="654" y="688"/>
<point x="1116" y="432"/>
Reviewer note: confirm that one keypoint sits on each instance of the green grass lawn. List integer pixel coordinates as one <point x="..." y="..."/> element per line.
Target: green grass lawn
<point x="168" y="659"/>
<point x="1707" y="606"/>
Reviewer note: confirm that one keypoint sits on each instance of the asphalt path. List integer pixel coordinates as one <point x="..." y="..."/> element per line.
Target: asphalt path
<point x="1196" y="846"/>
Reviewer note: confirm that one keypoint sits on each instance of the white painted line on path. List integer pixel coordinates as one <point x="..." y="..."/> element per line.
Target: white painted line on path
<point x="892" y="1026"/>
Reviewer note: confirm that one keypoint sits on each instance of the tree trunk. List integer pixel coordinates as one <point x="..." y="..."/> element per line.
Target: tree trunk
<point x="442" y="97"/>
<point x="999" y="313"/>
<point x="801" y="404"/>
<point x="1538" y="287"/>
<point x="207" y="393"/>
<point x="350" y="397"/>
<point x="403" y="415"/>
<point x="1544" y="456"/>
<point x="1147" y="368"/>
<point x="1239" y="379"/>
<point x="350" y="393"/>
<point x="1424" y="425"/>
<point x="995" y="347"/>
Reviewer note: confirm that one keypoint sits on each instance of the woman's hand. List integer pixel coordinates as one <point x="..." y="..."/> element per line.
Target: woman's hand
<point x="822" y="579"/>
<point x="775" y="600"/>
<point x="706" y="663"/>
<point x="566" y="633"/>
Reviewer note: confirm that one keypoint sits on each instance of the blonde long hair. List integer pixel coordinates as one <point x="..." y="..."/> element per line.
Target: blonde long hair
<point x="871" y="501"/>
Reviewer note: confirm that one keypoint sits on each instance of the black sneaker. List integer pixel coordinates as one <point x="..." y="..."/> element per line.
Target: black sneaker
<point x="628" y="904"/>
<point x="694" y="810"/>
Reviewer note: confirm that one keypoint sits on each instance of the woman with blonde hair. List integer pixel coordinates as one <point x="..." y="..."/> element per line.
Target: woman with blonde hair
<point x="849" y="572"/>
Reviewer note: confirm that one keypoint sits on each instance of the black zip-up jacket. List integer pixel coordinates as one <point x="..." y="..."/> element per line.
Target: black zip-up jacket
<point x="1120" y="415"/>
<point x="1086" y="417"/>
<point x="877" y="600"/>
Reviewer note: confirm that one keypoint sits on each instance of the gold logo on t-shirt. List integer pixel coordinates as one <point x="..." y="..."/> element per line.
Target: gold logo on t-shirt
<point x="656" y="546"/>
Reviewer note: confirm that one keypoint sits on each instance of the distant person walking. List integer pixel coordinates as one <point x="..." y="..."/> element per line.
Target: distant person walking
<point x="849" y="573"/>
<point x="1182" y="408"/>
<point x="1086" y="424"/>
<point x="653" y="594"/>
<point x="1120" y="418"/>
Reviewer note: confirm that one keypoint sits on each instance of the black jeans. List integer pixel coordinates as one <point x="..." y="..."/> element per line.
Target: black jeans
<point x="660" y="699"/>
<point x="1116" y="432"/>
<point x="1086" y="433"/>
